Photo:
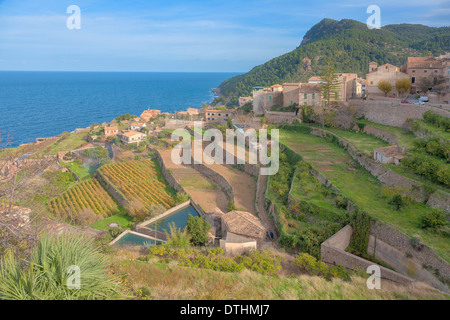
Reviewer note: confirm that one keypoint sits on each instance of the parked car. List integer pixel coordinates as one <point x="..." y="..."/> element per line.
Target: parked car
<point x="419" y="102"/>
<point x="406" y="101"/>
<point x="424" y="98"/>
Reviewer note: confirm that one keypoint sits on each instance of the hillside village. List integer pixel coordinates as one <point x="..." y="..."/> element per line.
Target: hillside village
<point x="363" y="179"/>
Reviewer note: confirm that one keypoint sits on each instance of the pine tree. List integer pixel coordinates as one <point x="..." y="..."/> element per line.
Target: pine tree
<point x="330" y="83"/>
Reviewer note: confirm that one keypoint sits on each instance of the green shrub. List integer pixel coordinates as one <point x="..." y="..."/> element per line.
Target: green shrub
<point x="198" y="230"/>
<point x="397" y="201"/>
<point x="181" y="197"/>
<point x="319" y="268"/>
<point x="177" y="238"/>
<point x="341" y="202"/>
<point x="433" y="219"/>
<point x="45" y="276"/>
<point x="231" y="206"/>
<point x="361" y="223"/>
<point x="263" y="262"/>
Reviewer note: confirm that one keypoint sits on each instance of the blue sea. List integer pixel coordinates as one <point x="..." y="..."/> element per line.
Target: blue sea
<point x="44" y="104"/>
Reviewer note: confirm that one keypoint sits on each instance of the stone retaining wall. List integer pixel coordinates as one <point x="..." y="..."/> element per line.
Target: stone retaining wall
<point x="402" y="242"/>
<point x="216" y="177"/>
<point x="116" y="194"/>
<point x="166" y="174"/>
<point x="380" y="133"/>
<point x="332" y="252"/>
<point x="392" y="113"/>
<point x="280" y="117"/>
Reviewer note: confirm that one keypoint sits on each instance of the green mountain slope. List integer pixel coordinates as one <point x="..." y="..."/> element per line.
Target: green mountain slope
<point x="351" y="46"/>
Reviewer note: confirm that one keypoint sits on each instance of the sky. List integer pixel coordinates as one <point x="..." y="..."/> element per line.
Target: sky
<point x="178" y="36"/>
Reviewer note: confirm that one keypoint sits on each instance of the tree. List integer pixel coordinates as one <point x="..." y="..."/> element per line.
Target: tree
<point x="177" y="238"/>
<point x="385" y="87"/>
<point x="403" y="85"/>
<point x="306" y="113"/>
<point x="330" y="84"/>
<point x="137" y="210"/>
<point x="198" y="230"/>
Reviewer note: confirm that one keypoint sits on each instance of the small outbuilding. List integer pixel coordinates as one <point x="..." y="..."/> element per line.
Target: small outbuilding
<point x="390" y="154"/>
<point x="244" y="224"/>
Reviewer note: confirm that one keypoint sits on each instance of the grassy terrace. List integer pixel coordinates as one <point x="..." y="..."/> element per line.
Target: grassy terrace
<point x="360" y="186"/>
<point x="65" y="143"/>
<point x="434" y="129"/>
<point x="122" y="219"/>
<point x="363" y="142"/>
<point x="83" y="171"/>
<point x="405" y="139"/>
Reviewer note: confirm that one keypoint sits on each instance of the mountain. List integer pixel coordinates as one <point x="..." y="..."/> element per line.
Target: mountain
<point x="350" y="45"/>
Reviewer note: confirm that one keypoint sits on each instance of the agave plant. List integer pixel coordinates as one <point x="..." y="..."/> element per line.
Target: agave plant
<point x="48" y="275"/>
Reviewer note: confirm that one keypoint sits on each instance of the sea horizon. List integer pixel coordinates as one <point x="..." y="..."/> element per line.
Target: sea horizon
<point x="40" y="104"/>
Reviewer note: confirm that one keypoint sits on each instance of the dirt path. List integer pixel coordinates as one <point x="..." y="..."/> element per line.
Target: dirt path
<point x="204" y="192"/>
<point x="263" y="214"/>
<point x="244" y="186"/>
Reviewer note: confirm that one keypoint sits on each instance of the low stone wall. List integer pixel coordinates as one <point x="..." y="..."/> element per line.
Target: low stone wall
<point x="216" y="177"/>
<point x="251" y="169"/>
<point x="421" y="131"/>
<point x="322" y="179"/>
<point x="402" y="242"/>
<point x="151" y="232"/>
<point x="237" y="248"/>
<point x="166" y="174"/>
<point x="382" y="134"/>
<point x="439" y="201"/>
<point x="392" y="113"/>
<point x="116" y="194"/>
<point x="277" y="117"/>
<point x="332" y="252"/>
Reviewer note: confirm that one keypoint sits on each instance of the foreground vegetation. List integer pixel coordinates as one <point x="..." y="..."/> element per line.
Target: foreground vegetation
<point x="157" y="279"/>
<point x="43" y="275"/>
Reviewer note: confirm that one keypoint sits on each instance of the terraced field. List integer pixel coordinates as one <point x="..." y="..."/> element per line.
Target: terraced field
<point x="88" y="194"/>
<point x="360" y="186"/>
<point x="138" y="180"/>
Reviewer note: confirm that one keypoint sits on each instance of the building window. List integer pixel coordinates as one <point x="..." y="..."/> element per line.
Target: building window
<point x="413" y="80"/>
<point x="425" y="70"/>
<point x="313" y="95"/>
<point x="414" y="71"/>
<point x="208" y="114"/>
<point x="371" y="82"/>
<point x="435" y="71"/>
<point x="292" y="102"/>
<point x="226" y="115"/>
<point x="270" y="98"/>
<point x="220" y="114"/>
<point x="212" y="118"/>
<point x="209" y="119"/>
<point x="305" y="96"/>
